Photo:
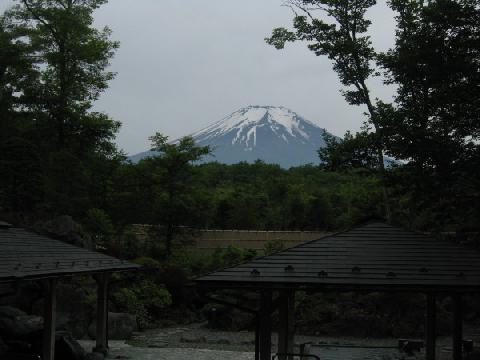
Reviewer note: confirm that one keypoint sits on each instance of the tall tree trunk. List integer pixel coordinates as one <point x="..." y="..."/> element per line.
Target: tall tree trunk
<point x="380" y="158"/>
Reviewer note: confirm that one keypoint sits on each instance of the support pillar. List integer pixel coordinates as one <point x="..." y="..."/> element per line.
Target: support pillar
<point x="101" y="345"/>
<point x="49" y="317"/>
<point x="457" y="327"/>
<point x="430" y="327"/>
<point x="286" y="331"/>
<point x="265" y="333"/>
<point x="257" y="337"/>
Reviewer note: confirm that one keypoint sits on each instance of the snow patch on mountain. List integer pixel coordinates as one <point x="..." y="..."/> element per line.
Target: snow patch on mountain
<point x="273" y="134"/>
<point x="245" y="122"/>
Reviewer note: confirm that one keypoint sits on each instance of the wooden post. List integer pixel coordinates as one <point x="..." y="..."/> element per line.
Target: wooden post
<point x="430" y="327"/>
<point x="457" y="327"/>
<point x="49" y="320"/>
<point x="257" y="337"/>
<point x="102" y="314"/>
<point x="265" y="325"/>
<point x="286" y="331"/>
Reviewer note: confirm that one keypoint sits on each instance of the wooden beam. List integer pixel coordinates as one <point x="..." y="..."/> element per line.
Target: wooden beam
<point x="49" y="317"/>
<point x="101" y="345"/>
<point x="457" y="327"/>
<point x="257" y="337"/>
<point x="286" y="329"/>
<point x="431" y="327"/>
<point x="265" y="333"/>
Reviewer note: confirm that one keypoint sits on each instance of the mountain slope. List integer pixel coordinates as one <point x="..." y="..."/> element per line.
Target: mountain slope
<point x="272" y="134"/>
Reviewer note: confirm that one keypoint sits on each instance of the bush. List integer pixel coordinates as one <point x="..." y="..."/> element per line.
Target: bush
<point x="99" y="226"/>
<point x="146" y="296"/>
<point x="272" y="247"/>
<point x="145" y="300"/>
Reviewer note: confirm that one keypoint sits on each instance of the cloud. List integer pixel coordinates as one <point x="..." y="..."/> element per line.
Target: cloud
<point x="185" y="64"/>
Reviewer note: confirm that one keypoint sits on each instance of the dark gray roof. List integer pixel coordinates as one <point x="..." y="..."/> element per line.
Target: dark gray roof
<point x="26" y="255"/>
<point x="374" y="256"/>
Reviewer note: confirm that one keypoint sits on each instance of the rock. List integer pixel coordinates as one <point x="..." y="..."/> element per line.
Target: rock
<point x="10" y="312"/>
<point x="410" y="346"/>
<point x="473" y="356"/>
<point x="221" y="341"/>
<point x="25" y="294"/>
<point x="66" y="347"/>
<point x="121" y="326"/>
<point x="94" y="356"/>
<point x="74" y="312"/>
<point x="225" y="318"/>
<point x="3" y="348"/>
<point x="22" y="347"/>
<point x="61" y="225"/>
<point x="66" y="229"/>
<point x="193" y="339"/>
<point x="247" y="342"/>
<point x="21" y="326"/>
<point x="74" y="323"/>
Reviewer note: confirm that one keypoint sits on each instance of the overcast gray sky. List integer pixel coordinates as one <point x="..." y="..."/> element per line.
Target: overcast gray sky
<point x="183" y="64"/>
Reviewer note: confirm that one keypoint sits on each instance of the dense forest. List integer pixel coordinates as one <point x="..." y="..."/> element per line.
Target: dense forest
<point x="58" y="155"/>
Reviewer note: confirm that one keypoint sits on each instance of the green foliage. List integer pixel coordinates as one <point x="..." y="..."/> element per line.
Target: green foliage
<point x="146" y="297"/>
<point x="366" y="314"/>
<point x="272" y="247"/>
<point x="174" y="198"/>
<point x="196" y="263"/>
<point x="53" y="69"/>
<point x="338" y="29"/>
<point x="148" y="263"/>
<point x="358" y="151"/>
<point x="99" y="226"/>
<point x="339" y="35"/>
<point x="434" y="124"/>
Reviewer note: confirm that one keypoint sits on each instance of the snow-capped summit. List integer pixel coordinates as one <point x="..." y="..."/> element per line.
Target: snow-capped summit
<point x="245" y="123"/>
<point x="273" y="134"/>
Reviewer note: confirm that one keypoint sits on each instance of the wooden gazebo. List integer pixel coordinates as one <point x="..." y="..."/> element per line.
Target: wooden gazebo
<point x="25" y="256"/>
<point x="372" y="257"/>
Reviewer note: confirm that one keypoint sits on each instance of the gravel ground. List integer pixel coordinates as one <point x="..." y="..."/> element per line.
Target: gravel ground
<point x="199" y="343"/>
<point x="120" y="350"/>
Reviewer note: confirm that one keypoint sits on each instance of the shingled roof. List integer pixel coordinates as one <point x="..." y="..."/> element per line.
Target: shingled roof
<point x="26" y="255"/>
<point x="375" y="256"/>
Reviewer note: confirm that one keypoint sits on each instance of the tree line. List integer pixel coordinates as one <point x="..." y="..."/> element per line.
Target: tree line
<point x="58" y="156"/>
<point x="431" y="126"/>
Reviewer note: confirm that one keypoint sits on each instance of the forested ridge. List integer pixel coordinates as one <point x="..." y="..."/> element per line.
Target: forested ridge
<point x="58" y="155"/>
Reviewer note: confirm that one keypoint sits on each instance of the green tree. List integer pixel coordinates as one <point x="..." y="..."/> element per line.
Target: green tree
<point x="353" y="151"/>
<point x="435" y="125"/>
<point x="177" y="202"/>
<point x="55" y="70"/>
<point x="341" y="36"/>
<point x="20" y="163"/>
<point x="73" y="56"/>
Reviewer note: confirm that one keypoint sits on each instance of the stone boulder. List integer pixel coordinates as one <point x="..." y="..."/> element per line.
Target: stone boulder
<point x="66" y="347"/>
<point x="15" y="324"/>
<point x="3" y="348"/>
<point x="74" y="314"/>
<point x="121" y="326"/>
<point x="226" y="318"/>
<point x="473" y="356"/>
<point x="65" y="228"/>
<point x="94" y="356"/>
<point x="10" y="312"/>
<point x="23" y="296"/>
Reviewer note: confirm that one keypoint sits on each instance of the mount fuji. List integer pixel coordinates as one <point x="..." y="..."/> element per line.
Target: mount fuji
<point x="269" y="133"/>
